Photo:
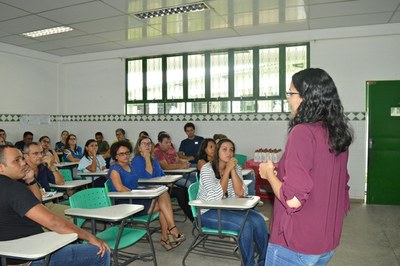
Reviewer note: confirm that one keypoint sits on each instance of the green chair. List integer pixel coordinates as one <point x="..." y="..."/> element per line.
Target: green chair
<point x="241" y="158"/>
<point x="117" y="237"/>
<point x="144" y="220"/>
<point x="214" y="241"/>
<point x="66" y="173"/>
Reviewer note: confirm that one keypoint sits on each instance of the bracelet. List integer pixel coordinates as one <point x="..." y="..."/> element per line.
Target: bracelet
<point x="31" y="183"/>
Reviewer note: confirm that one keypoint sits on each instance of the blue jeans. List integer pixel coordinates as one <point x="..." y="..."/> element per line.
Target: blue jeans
<point x="186" y="180"/>
<point x="251" y="189"/>
<point x="282" y="256"/>
<point x="254" y="231"/>
<point x="75" y="255"/>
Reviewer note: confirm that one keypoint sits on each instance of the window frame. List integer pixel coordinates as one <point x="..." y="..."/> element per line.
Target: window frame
<point x="207" y="63"/>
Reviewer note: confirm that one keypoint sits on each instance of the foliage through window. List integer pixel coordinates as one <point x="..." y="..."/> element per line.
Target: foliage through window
<point x="245" y="80"/>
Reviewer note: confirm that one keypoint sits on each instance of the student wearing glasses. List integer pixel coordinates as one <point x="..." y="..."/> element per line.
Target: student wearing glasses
<point x="124" y="178"/>
<point x="72" y="152"/>
<point x="47" y="149"/>
<point x="311" y="191"/>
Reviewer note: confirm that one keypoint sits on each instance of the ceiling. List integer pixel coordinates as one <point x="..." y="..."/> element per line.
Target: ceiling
<point x="104" y="25"/>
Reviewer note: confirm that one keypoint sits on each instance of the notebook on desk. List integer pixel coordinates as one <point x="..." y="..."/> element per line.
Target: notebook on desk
<point x="147" y="189"/>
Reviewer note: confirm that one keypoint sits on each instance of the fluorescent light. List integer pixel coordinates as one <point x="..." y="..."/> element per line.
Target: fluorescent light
<point x="193" y="7"/>
<point x="45" y="32"/>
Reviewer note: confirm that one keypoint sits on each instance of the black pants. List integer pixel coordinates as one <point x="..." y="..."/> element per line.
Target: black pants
<point x="181" y="194"/>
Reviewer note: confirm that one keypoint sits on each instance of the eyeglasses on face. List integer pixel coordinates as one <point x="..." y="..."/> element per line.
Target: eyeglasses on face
<point x="289" y="93"/>
<point x="128" y="153"/>
<point x="37" y="153"/>
<point x="146" y="143"/>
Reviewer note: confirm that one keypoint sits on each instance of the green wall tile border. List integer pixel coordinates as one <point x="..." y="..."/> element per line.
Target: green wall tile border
<point x="352" y="116"/>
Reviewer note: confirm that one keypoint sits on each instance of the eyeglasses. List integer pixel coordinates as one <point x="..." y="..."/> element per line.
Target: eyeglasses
<point x="37" y="153"/>
<point x="146" y="143"/>
<point x="128" y="153"/>
<point x="289" y="93"/>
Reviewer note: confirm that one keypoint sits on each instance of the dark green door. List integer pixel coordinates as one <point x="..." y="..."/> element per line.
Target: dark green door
<point x="383" y="114"/>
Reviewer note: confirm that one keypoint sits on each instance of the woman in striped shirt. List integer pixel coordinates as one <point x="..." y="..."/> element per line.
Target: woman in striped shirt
<point x="221" y="178"/>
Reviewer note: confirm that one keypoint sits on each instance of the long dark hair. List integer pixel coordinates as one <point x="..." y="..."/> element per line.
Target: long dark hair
<point x="202" y="149"/>
<point x="86" y="152"/>
<point x="321" y="103"/>
<point x="215" y="161"/>
<point x="67" y="142"/>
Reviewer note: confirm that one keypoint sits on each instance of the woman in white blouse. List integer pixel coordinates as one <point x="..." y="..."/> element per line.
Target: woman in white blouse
<point x="92" y="162"/>
<point x="221" y="178"/>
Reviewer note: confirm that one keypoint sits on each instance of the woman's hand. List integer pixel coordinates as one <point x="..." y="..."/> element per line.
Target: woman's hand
<point x="231" y="164"/>
<point x="266" y="170"/>
<point x="145" y="154"/>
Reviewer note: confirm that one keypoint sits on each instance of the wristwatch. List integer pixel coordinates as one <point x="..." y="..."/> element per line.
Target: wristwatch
<point x="31" y="183"/>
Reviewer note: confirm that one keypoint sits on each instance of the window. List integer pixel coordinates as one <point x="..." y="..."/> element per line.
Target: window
<point x="246" y="80"/>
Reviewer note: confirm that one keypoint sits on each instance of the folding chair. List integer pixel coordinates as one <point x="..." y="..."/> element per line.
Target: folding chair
<point x="213" y="241"/>
<point x="144" y="220"/>
<point x="117" y="237"/>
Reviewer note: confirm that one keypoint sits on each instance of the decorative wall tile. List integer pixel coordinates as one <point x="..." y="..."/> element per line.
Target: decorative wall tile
<point x="352" y="116"/>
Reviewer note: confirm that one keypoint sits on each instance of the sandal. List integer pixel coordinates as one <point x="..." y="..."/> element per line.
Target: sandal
<point x="166" y="244"/>
<point x="175" y="239"/>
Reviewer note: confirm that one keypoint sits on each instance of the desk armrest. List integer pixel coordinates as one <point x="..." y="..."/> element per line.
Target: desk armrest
<point x="111" y="213"/>
<point x="228" y="203"/>
<point x="35" y="246"/>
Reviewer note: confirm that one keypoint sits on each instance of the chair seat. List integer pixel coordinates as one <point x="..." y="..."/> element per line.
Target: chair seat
<point x="145" y="218"/>
<point x="129" y="236"/>
<point x="207" y="230"/>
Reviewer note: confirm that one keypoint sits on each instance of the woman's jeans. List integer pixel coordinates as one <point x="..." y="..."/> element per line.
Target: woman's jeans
<point x="282" y="256"/>
<point x="251" y="189"/>
<point x="254" y="231"/>
<point x="75" y="255"/>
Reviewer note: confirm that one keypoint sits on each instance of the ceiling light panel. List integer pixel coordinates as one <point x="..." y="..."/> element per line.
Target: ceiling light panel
<point x="193" y="7"/>
<point x="45" y="32"/>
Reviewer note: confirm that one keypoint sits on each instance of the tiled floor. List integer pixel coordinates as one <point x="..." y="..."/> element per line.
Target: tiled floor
<point x="371" y="236"/>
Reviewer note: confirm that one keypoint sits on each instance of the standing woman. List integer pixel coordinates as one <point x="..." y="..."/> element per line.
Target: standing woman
<point x="60" y="145"/>
<point x="47" y="149"/>
<point x="92" y="162"/>
<point x="124" y="178"/>
<point x="221" y="178"/>
<point x="312" y="195"/>
<point x="72" y="152"/>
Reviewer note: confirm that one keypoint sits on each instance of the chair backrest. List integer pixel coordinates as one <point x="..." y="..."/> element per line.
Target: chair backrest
<point x="91" y="198"/>
<point x="66" y="173"/>
<point x="241" y="158"/>
<point x="107" y="186"/>
<point x="192" y="191"/>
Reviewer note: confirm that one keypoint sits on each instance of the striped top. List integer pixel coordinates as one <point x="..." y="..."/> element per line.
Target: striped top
<point x="210" y="187"/>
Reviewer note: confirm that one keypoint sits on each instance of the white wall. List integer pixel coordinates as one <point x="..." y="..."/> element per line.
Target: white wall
<point x="95" y="84"/>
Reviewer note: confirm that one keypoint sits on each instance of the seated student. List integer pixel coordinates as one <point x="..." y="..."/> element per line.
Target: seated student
<point x="206" y="152"/>
<point x="169" y="159"/>
<point x="190" y="145"/>
<point x="72" y="152"/>
<point x="27" y="138"/>
<point x="146" y="165"/>
<point x="93" y="162"/>
<point x="222" y="177"/>
<point x="104" y="147"/>
<point x="60" y="145"/>
<point x="124" y="179"/>
<point x="47" y="149"/>
<point x="3" y="134"/>
<point x="45" y="172"/>
<point x="23" y="215"/>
